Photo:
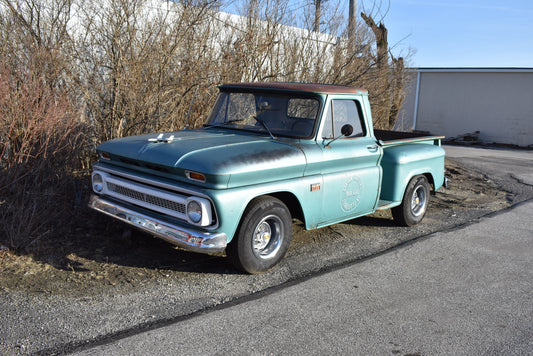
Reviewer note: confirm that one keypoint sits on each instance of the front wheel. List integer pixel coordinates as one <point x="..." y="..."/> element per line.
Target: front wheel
<point x="263" y="236"/>
<point x="414" y="204"/>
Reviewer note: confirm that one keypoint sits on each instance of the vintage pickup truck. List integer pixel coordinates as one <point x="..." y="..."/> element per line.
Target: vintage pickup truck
<point x="268" y="153"/>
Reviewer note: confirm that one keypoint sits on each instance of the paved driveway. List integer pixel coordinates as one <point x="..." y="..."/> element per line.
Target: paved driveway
<point x="512" y="169"/>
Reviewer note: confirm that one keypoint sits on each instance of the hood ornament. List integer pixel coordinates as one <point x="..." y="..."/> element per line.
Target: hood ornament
<point x="160" y="138"/>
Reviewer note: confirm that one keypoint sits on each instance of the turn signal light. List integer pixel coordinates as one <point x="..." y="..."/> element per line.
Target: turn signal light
<point x="199" y="177"/>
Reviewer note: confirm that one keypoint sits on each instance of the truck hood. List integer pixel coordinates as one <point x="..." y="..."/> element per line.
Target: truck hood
<point x="227" y="158"/>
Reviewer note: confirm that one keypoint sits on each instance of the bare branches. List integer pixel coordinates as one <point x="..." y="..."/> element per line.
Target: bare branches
<point x="378" y="10"/>
<point x="124" y="67"/>
<point x="131" y="64"/>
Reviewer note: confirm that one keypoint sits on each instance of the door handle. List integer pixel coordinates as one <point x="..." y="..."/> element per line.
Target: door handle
<point x="372" y="147"/>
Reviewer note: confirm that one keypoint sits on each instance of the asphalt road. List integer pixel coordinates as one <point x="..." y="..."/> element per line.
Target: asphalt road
<point x="468" y="291"/>
<point x="463" y="292"/>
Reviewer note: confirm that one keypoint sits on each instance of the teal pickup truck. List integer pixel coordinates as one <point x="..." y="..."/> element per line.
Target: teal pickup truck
<point x="268" y="153"/>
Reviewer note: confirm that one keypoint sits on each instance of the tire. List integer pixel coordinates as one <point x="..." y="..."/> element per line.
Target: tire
<point x="414" y="203"/>
<point x="263" y="236"/>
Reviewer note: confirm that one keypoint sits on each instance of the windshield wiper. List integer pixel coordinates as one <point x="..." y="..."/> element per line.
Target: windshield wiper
<point x="265" y="126"/>
<point x="208" y="126"/>
<point x="223" y="124"/>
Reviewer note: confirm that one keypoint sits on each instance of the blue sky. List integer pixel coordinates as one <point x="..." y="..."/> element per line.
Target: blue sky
<point x="462" y="33"/>
<point x="453" y="33"/>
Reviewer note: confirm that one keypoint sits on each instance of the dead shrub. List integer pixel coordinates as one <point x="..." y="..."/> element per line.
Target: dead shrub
<point x="41" y="142"/>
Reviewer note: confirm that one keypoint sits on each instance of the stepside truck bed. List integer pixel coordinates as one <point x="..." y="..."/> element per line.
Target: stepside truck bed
<point x="406" y="154"/>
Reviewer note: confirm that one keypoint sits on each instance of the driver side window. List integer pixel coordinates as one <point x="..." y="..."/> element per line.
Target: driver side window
<point x="342" y="112"/>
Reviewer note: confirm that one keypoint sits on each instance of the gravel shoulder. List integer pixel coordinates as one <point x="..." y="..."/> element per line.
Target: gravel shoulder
<point x="102" y="281"/>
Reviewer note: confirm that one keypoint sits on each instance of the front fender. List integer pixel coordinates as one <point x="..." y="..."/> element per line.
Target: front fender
<point x="231" y="203"/>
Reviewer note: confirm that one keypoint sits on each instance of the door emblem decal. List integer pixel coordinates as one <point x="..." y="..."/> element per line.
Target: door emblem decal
<point x="351" y="193"/>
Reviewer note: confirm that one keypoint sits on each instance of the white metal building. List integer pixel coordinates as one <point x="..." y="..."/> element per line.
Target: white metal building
<point x="497" y="102"/>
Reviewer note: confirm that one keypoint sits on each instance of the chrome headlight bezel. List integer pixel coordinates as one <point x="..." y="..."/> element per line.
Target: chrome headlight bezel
<point x="198" y="211"/>
<point x="97" y="182"/>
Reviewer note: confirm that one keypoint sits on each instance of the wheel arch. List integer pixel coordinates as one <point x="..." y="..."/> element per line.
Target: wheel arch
<point x="292" y="202"/>
<point x="431" y="181"/>
<point x="429" y="176"/>
<point x="239" y="201"/>
<point x="287" y="198"/>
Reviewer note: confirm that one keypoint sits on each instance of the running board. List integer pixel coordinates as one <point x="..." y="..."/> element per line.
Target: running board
<point x="387" y="204"/>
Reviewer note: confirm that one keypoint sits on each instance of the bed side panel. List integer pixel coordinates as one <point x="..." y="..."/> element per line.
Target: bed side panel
<point x="401" y="163"/>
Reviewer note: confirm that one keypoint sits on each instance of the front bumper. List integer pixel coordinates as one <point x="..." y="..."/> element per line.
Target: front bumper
<point x="185" y="238"/>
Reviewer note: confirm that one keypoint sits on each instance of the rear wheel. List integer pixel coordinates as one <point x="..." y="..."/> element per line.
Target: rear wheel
<point x="414" y="204"/>
<point x="263" y="236"/>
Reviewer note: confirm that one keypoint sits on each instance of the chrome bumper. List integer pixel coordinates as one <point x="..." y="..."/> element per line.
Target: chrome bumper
<point x="185" y="238"/>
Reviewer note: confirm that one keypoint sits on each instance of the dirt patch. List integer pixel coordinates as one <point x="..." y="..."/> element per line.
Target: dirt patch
<point x="101" y="255"/>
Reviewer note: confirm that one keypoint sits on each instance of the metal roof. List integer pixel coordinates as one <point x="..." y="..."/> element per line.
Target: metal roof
<point x="475" y="70"/>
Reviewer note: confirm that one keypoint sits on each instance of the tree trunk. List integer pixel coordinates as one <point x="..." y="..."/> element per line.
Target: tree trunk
<point x="382" y="45"/>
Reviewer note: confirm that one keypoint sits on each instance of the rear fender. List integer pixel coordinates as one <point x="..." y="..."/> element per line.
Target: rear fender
<point x="401" y="163"/>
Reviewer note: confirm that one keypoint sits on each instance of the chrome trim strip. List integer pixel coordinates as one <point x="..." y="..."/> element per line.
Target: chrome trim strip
<point x="187" y="239"/>
<point x="156" y="183"/>
<point x="151" y="181"/>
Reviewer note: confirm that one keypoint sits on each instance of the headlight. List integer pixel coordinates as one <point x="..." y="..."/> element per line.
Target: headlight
<point x="199" y="211"/>
<point x="194" y="211"/>
<point x="98" y="183"/>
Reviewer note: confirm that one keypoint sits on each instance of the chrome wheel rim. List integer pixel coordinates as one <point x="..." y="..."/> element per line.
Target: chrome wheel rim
<point x="418" y="201"/>
<point x="267" y="236"/>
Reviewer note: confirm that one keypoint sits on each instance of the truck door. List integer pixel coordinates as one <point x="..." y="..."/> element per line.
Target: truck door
<point x="351" y="171"/>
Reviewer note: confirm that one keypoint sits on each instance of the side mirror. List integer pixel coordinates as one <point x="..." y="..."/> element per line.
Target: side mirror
<point x="347" y="130"/>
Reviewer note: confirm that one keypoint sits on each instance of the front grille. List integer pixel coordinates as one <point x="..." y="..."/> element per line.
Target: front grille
<point x="143" y="197"/>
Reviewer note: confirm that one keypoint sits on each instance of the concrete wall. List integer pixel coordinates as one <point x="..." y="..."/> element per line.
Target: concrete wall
<point x="454" y="102"/>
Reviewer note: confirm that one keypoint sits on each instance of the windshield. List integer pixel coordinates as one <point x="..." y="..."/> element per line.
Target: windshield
<point x="274" y="114"/>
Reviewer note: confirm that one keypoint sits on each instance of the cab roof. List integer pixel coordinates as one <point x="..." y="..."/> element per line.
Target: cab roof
<point x="299" y="87"/>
